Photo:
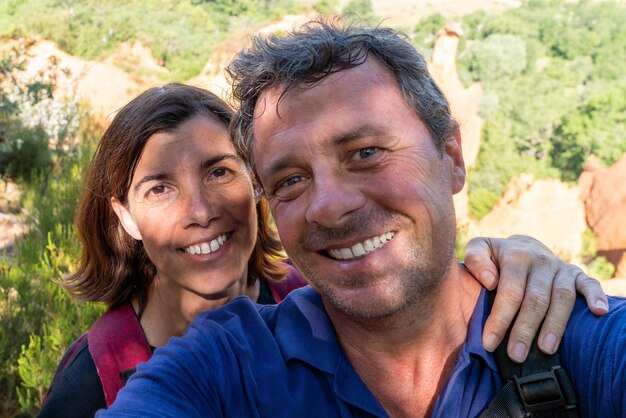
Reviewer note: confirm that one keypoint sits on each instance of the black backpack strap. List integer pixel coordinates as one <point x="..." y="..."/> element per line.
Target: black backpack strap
<point x="537" y="388"/>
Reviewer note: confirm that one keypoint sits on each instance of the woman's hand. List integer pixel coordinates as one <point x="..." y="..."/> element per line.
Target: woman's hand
<point x="533" y="284"/>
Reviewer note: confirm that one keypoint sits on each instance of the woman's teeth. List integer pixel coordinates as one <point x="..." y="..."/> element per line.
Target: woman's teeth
<point x="207" y="247"/>
<point x="362" y="248"/>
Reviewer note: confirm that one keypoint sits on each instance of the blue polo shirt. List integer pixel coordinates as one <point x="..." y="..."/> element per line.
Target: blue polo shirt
<point x="247" y="360"/>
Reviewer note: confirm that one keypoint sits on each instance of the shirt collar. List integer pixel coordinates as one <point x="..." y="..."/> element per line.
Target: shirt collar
<point x="474" y="341"/>
<point x="304" y="331"/>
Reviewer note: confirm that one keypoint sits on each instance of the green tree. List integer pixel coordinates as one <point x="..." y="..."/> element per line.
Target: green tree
<point x="498" y="56"/>
<point x="597" y="127"/>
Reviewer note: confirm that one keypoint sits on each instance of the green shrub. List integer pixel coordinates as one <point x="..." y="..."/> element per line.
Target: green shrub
<point x="498" y="56"/>
<point x="361" y="8"/>
<point x="601" y="268"/>
<point x="24" y="152"/>
<point x="425" y="33"/>
<point x="326" y="7"/>
<point x="40" y="317"/>
<point x="596" y="128"/>
<point x="481" y="201"/>
<point x="181" y="34"/>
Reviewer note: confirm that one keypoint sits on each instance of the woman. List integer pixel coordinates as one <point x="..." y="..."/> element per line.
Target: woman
<point x="171" y="225"/>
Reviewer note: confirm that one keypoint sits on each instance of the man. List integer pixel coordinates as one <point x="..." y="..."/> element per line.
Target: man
<point x="359" y="158"/>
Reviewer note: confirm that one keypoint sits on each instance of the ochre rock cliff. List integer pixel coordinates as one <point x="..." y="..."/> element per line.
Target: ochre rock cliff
<point x="603" y="191"/>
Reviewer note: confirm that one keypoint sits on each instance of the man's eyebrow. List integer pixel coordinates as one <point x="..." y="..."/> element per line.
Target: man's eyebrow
<point x="358" y="133"/>
<point x="341" y="139"/>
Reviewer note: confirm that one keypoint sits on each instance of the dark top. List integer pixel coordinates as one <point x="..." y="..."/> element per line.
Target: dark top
<point x="76" y="391"/>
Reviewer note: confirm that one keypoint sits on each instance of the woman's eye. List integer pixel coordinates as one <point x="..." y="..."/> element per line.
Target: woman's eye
<point x="157" y="190"/>
<point x="219" y="172"/>
<point x="367" y="152"/>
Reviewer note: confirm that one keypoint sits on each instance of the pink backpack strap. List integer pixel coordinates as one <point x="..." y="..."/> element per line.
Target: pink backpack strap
<point x="117" y="343"/>
<point x="294" y="280"/>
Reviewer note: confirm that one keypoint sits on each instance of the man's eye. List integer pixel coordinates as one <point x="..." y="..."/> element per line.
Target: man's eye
<point x="367" y="152"/>
<point x="291" y="181"/>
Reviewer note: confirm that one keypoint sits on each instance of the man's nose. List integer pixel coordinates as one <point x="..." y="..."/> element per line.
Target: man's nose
<point x="199" y="209"/>
<point x="334" y="198"/>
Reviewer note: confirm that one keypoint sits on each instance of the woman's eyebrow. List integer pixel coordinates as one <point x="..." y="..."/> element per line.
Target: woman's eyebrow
<point x="218" y="158"/>
<point x="150" y="177"/>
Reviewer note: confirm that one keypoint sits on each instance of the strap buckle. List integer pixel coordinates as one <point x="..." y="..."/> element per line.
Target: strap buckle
<point x="541" y="391"/>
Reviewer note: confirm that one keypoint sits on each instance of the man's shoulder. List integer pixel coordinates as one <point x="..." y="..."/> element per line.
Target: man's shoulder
<point x="583" y="320"/>
<point x="585" y="330"/>
<point x="244" y="317"/>
<point x="593" y="352"/>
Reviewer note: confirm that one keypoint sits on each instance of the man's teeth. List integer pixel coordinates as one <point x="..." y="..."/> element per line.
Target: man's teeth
<point x="207" y="247"/>
<point x="362" y="248"/>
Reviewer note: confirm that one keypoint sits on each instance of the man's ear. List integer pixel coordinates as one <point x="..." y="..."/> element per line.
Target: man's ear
<point x="125" y="218"/>
<point x="452" y="148"/>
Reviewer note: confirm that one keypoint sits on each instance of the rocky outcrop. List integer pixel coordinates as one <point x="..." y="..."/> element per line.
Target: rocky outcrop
<point x="464" y="103"/>
<point x="603" y="191"/>
<point x="213" y="76"/>
<point x="102" y="84"/>
<point x="548" y="210"/>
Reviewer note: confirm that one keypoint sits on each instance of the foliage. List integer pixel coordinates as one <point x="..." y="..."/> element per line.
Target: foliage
<point x="39" y="319"/>
<point x="498" y="162"/>
<point x="425" y="32"/>
<point x="180" y="33"/>
<point x="460" y="243"/>
<point x="554" y="90"/>
<point x="498" y="56"/>
<point x="325" y="7"/>
<point x="32" y="123"/>
<point x="597" y="127"/>
<point x="601" y="268"/>
<point x="597" y="266"/>
<point x="361" y="8"/>
<point x="35" y="312"/>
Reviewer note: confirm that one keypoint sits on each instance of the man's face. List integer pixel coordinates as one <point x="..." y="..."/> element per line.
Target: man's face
<point x="361" y="196"/>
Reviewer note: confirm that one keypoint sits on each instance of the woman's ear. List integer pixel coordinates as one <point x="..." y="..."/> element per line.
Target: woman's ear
<point x="125" y="218"/>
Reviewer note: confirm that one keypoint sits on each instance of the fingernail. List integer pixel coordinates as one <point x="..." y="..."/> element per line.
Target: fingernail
<point x="549" y="343"/>
<point x="601" y="304"/>
<point x="491" y="342"/>
<point x="518" y="353"/>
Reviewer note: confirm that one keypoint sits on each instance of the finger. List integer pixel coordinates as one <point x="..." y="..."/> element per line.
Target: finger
<point x="591" y="289"/>
<point x="561" y="305"/>
<point x="508" y="299"/>
<point x="479" y="261"/>
<point x="533" y="309"/>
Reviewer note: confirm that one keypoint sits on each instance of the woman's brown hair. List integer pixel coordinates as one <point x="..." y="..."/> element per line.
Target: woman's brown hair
<point x="114" y="267"/>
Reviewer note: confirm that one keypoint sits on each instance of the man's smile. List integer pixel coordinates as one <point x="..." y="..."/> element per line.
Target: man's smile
<point x="360" y="249"/>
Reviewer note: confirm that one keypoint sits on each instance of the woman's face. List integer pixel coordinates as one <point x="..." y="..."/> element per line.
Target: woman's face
<point x="191" y="202"/>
